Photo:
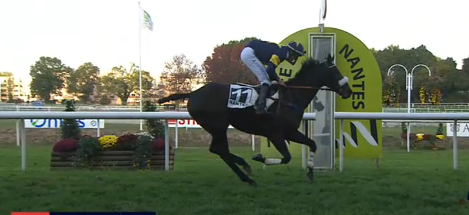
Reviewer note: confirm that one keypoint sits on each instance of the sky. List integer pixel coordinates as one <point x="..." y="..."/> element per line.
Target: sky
<point x="106" y="32"/>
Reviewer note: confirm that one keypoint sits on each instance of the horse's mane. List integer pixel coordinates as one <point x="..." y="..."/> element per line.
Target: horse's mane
<point x="307" y="66"/>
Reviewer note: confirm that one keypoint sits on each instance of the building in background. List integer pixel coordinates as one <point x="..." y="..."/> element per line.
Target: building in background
<point x="13" y="89"/>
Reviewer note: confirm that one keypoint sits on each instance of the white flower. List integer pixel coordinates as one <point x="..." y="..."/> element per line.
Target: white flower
<point x="144" y="133"/>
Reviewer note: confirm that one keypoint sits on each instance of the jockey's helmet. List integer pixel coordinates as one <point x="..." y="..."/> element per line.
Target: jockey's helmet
<point x="295" y="51"/>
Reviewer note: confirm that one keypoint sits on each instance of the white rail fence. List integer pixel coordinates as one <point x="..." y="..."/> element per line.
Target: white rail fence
<point x="136" y="108"/>
<point x="21" y="131"/>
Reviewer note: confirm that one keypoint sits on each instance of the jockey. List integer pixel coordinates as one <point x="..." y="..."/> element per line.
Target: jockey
<point x="257" y="54"/>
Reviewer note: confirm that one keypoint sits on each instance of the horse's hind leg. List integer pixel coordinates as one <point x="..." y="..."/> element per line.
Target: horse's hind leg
<point x="219" y="146"/>
<point x="242" y="162"/>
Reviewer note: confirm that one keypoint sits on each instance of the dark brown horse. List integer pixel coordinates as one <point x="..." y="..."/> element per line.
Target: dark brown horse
<point x="208" y="106"/>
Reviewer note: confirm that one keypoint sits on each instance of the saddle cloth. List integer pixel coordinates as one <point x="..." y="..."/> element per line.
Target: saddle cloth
<point x="245" y="96"/>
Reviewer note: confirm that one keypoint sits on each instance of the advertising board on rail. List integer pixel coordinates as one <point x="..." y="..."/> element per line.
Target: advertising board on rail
<point x="185" y="123"/>
<point x="55" y="123"/>
<point x="462" y="129"/>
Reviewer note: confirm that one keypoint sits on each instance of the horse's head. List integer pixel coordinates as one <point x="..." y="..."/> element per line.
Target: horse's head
<point x="317" y="75"/>
<point x="335" y="80"/>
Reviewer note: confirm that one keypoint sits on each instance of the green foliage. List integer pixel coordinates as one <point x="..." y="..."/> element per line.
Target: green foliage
<point x="122" y="82"/>
<point x="439" y="129"/>
<point x="445" y="76"/>
<point x="84" y="81"/>
<point x="404" y="127"/>
<point x="143" y="152"/>
<point x="48" y="77"/>
<point x="155" y="126"/>
<point x="70" y="127"/>
<point x="104" y="100"/>
<point x="88" y="147"/>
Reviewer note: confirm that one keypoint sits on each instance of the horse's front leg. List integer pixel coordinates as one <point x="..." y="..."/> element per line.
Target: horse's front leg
<point x="302" y="139"/>
<point x="279" y="142"/>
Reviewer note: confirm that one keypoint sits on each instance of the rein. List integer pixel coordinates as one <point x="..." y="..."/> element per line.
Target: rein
<point x="290" y="95"/>
<point x="308" y="88"/>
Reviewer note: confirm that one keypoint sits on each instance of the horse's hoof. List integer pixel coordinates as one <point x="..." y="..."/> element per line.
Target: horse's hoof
<point x="247" y="169"/>
<point x="253" y="183"/>
<point x="310" y="176"/>
<point x="258" y="158"/>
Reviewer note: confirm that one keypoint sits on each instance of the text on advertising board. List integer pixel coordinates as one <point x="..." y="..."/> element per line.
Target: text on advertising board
<point x="55" y="123"/>
<point x="185" y="123"/>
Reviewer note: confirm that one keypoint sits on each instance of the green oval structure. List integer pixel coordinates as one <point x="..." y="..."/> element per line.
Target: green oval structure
<point x="362" y="138"/>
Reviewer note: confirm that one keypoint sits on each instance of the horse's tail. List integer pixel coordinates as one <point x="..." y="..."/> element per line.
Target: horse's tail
<point x="173" y="97"/>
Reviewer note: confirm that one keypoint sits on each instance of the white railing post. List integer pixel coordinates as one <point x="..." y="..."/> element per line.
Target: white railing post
<point x="304" y="155"/>
<point x="18" y="132"/>
<point x="176" y="128"/>
<point x="18" y="141"/>
<point x="253" y="143"/>
<point x="166" y="144"/>
<point x="23" y="145"/>
<point x="341" y="146"/>
<point x="455" y="145"/>
<point x="98" y="130"/>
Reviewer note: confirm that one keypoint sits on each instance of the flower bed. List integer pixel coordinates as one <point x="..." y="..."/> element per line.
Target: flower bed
<point x="421" y="140"/>
<point x="126" y="152"/>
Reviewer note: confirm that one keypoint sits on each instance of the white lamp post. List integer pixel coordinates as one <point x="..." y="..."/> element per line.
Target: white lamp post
<point x="408" y="83"/>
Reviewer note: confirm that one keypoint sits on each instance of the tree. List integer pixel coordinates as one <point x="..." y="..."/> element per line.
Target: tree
<point x="83" y="81"/>
<point x="465" y="65"/>
<point x="446" y="82"/>
<point x="180" y="75"/>
<point x="122" y="82"/>
<point x="69" y="127"/>
<point x="225" y="65"/>
<point x="147" y="81"/>
<point x="155" y="126"/>
<point x="48" y="77"/>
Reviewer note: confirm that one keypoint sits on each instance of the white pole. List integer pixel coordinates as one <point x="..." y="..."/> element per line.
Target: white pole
<point x="140" y="58"/>
<point x="18" y="141"/>
<point x="341" y="146"/>
<point x="18" y="133"/>
<point x="166" y="145"/>
<point x="409" y="79"/>
<point x="176" y="144"/>
<point x="253" y="143"/>
<point x="410" y="83"/>
<point x="23" y="145"/>
<point x="98" y="130"/>
<point x="304" y="155"/>
<point x="455" y="146"/>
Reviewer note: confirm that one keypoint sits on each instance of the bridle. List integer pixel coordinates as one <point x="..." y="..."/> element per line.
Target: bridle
<point x="290" y="94"/>
<point x="315" y="88"/>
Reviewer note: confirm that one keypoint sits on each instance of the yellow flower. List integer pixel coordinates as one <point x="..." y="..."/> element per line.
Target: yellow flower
<point x="422" y="94"/>
<point x="107" y="141"/>
<point x="419" y="136"/>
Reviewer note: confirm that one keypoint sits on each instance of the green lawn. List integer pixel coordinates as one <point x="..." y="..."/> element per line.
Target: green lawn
<point x="421" y="182"/>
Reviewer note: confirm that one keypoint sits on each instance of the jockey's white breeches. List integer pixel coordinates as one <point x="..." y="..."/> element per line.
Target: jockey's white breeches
<point x="255" y="65"/>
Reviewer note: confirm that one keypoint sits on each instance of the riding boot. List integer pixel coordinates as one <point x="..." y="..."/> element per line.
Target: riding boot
<point x="261" y="101"/>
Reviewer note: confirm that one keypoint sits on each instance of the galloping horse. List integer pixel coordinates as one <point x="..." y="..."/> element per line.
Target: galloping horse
<point x="215" y="106"/>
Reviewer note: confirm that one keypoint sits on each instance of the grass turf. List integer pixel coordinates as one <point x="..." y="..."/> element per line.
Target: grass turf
<point x="421" y="182"/>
